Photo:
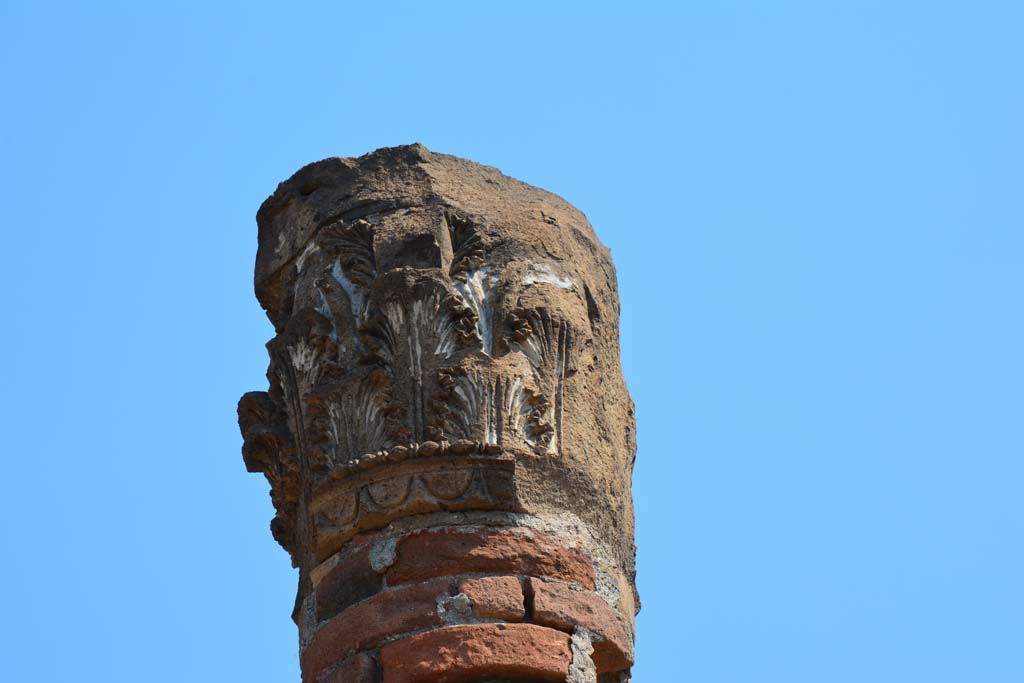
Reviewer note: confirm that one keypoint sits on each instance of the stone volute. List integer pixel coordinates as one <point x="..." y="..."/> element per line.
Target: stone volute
<point x="447" y="435"/>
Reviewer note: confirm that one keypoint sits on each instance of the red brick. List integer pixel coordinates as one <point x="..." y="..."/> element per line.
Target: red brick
<point x="348" y="582"/>
<point x="559" y="606"/>
<point x="358" y="668"/>
<point x="427" y="554"/>
<point x="464" y="654"/>
<point x="365" y="624"/>
<point x="496" y="597"/>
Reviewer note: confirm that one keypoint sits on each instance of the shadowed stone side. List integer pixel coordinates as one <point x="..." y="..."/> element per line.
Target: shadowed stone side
<point x="447" y="434"/>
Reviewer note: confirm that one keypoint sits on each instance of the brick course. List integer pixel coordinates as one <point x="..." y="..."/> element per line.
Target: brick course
<point x="428" y="554"/>
<point x="496" y="597"/>
<point x="559" y="606"/>
<point x="365" y="624"/>
<point x="360" y="668"/>
<point x="348" y="582"/>
<point x="478" y="652"/>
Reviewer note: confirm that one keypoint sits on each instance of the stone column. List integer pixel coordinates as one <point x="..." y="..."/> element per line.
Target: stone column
<point x="447" y="434"/>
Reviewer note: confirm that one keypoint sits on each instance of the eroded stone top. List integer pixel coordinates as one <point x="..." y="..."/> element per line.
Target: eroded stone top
<point x="399" y="179"/>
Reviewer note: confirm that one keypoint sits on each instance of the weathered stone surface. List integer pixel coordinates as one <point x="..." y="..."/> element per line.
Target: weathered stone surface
<point x="460" y="654"/>
<point x="440" y="553"/>
<point x="365" y="624"/>
<point x="496" y="597"/>
<point x="360" y="668"/>
<point x="372" y="497"/>
<point x="560" y="606"/>
<point x="351" y="580"/>
<point x="445" y="358"/>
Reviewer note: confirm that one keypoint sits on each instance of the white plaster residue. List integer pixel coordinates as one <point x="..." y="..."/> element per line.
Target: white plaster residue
<point x="444" y="330"/>
<point x="382" y="554"/>
<point x="479" y="405"/>
<point x="306" y="363"/>
<point x="308" y="628"/>
<point x="455" y="609"/>
<point x="550" y="418"/>
<point x="310" y="249"/>
<point x="372" y="427"/>
<point x="492" y="419"/>
<point x="426" y="319"/>
<point x="472" y="395"/>
<point x="416" y="345"/>
<point x="321" y="570"/>
<point x="394" y="330"/>
<point x="302" y="356"/>
<point x="445" y="346"/>
<point x="395" y="314"/>
<point x="542" y="273"/>
<point x="531" y="348"/>
<point x="324" y="309"/>
<point x="582" y="669"/>
<point x="606" y="586"/>
<point x="355" y="296"/>
<point x="516" y="408"/>
<point x="477" y="290"/>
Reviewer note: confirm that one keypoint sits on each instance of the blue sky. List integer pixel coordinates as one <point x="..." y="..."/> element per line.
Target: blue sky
<point x="816" y="213"/>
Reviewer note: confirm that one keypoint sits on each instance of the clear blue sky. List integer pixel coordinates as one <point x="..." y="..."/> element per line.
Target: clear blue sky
<point x="816" y="213"/>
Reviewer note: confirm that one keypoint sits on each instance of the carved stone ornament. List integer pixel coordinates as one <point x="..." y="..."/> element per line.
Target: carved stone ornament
<point x="446" y="346"/>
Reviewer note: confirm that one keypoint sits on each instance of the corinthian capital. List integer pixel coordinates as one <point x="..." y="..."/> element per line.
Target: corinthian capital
<point x="447" y="428"/>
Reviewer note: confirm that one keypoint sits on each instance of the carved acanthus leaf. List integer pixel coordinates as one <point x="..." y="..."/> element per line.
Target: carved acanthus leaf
<point x="407" y="339"/>
<point x="354" y="418"/>
<point x="475" y="286"/>
<point x="550" y="346"/>
<point x="493" y="409"/>
<point x="352" y="243"/>
<point x="468" y="250"/>
<point x="548" y="343"/>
